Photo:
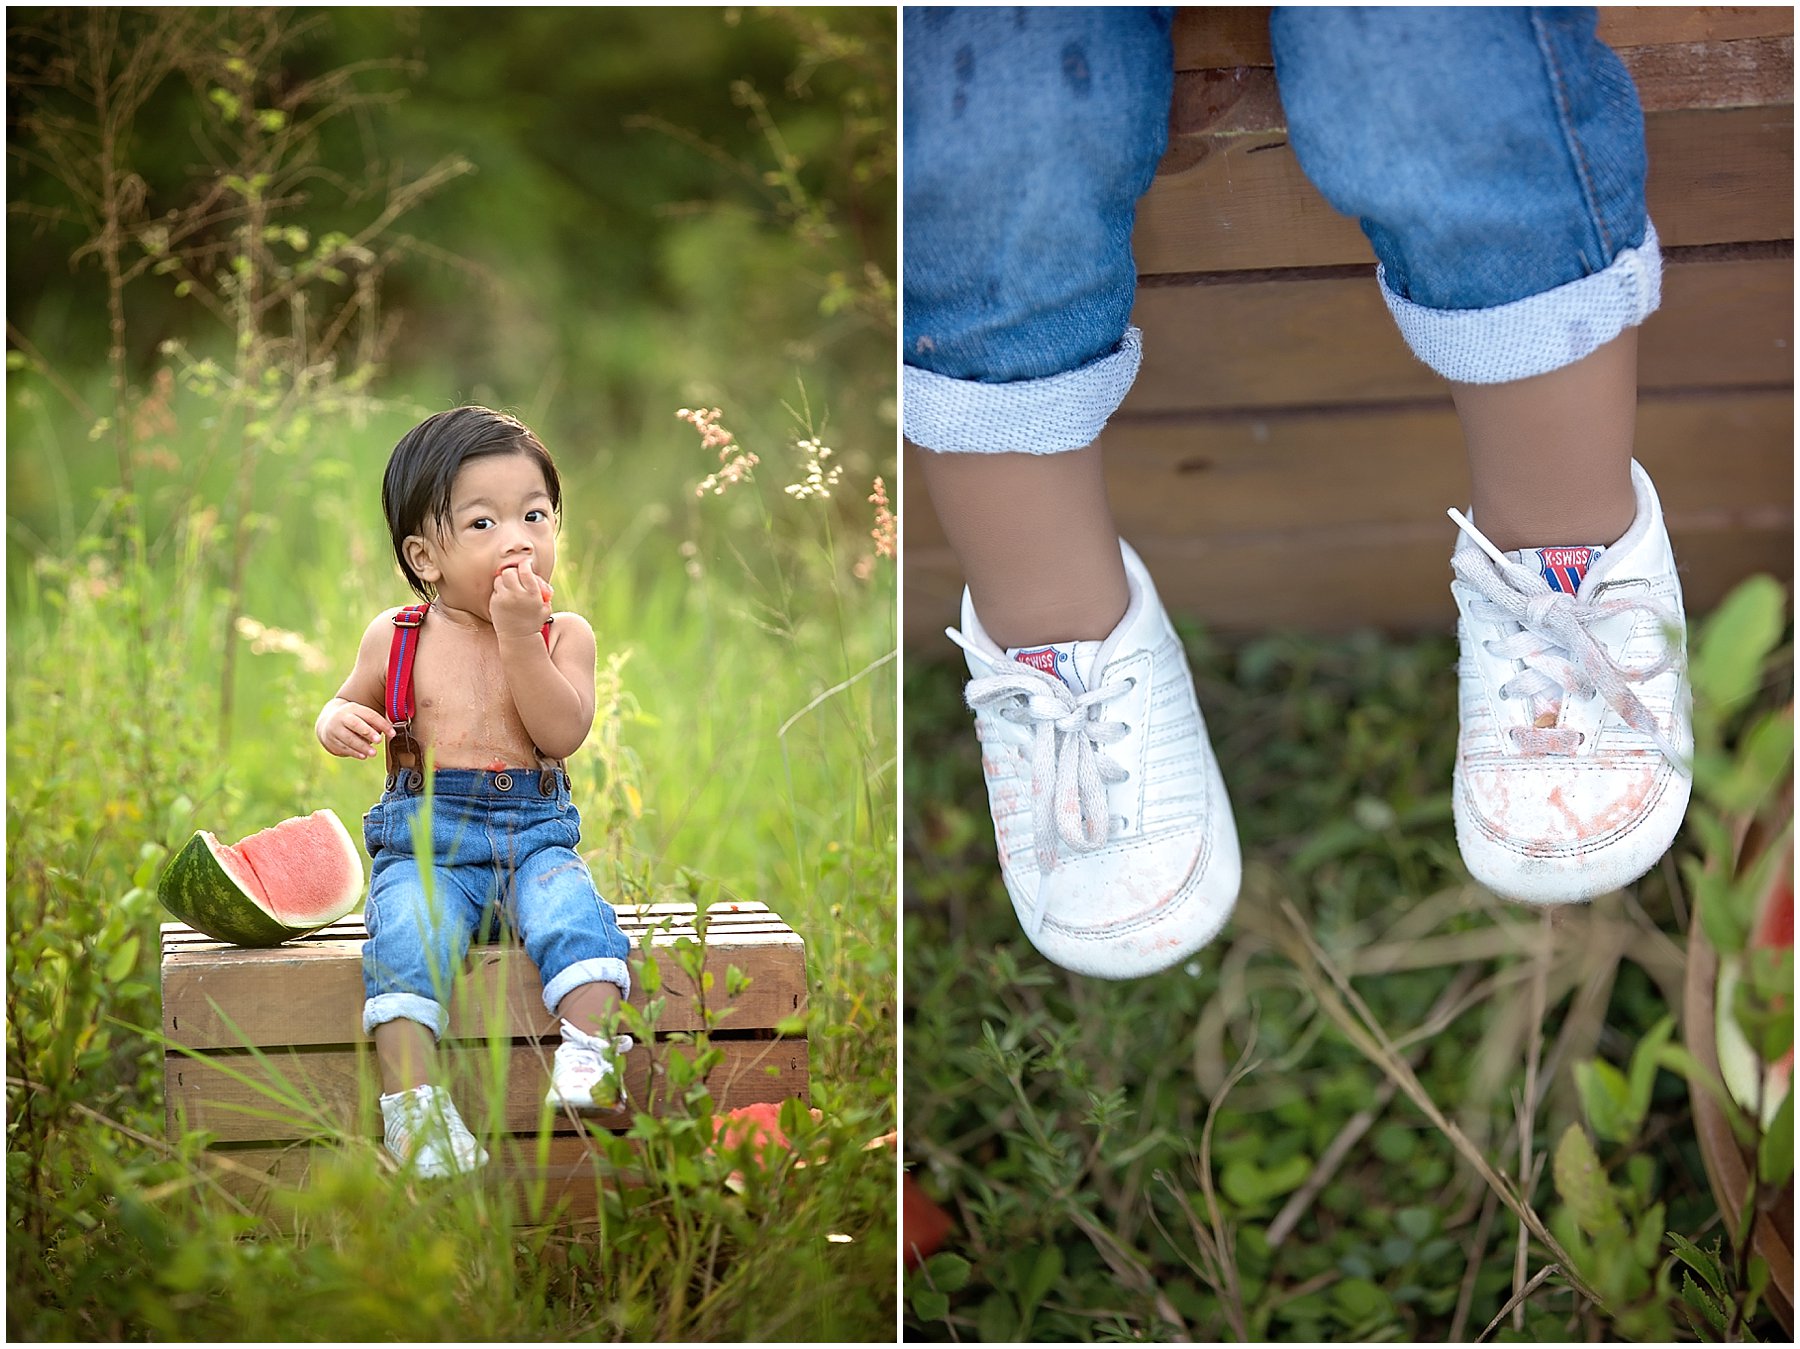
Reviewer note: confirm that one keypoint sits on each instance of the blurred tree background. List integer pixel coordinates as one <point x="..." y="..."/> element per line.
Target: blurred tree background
<point x="663" y="207"/>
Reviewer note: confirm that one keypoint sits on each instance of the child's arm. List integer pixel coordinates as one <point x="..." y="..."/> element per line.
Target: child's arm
<point x="349" y="726"/>
<point x="552" y="690"/>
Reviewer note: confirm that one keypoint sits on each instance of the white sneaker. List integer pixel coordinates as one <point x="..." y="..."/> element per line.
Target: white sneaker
<point x="1574" y="758"/>
<point x="1115" y="835"/>
<point x="589" y="1072"/>
<point x="421" y="1127"/>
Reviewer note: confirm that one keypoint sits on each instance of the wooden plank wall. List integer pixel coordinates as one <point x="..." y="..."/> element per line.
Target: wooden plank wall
<point x="1284" y="460"/>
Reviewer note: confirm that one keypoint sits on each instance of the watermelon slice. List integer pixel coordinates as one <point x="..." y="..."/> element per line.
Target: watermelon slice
<point x="291" y="879"/>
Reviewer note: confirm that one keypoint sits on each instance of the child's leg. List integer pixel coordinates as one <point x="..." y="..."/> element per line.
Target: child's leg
<point x="1571" y="427"/>
<point x="994" y="509"/>
<point x="573" y="937"/>
<point x="1496" y="160"/>
<point x="1030" y="134"/>
<point x="415" y="947"/>
<point x="405" y="1052"/>
<point x="571" y="934"/>
<point x="418" y="936"/>
<point x="591" y="1007"/>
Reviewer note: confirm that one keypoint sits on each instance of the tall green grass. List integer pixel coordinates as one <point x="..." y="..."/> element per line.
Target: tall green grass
<point x="745" y="749"/>
<point x="1317" y="1130"/>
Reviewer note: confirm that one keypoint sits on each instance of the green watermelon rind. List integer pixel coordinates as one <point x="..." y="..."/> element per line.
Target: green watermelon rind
<point x="195" y="886"/>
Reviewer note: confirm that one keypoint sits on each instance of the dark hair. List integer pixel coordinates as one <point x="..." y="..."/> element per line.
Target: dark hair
<point x="423" y="467"/>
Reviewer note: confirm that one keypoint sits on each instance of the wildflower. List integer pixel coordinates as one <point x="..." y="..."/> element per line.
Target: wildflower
<point x="820" y="478"/>
<point x="264" y="639"/>
<point x="735" y="465"/>
<point x="883" y="533"/>
<point x="885" y="522"/>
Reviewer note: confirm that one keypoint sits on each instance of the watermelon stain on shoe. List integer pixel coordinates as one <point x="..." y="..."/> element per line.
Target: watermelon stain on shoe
<point x="1572" y="769"/>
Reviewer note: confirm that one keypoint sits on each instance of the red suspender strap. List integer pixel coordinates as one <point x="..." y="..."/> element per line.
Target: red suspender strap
<point x="399" y="707"/>
<point x="405" y="648"/>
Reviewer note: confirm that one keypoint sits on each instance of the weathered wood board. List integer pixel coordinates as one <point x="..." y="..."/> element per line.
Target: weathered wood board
<point x="267" y="1052"/>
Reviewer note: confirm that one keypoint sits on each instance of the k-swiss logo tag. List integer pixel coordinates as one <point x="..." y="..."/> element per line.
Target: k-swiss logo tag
<point x="1045" y="658"/>
<point x="1563" y="568"/>
<point x="1064" y="660"/>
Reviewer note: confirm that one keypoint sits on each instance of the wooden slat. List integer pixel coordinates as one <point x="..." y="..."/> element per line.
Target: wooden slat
<point x="1399" y="582"/>
<point x="1221" y="35"/>
<point x="1757" y="72"/>
<point x="309" y="992"/>
<point x="1334" y="520"/>
<point x="1716" y="176"/>
<point x="312" y="993"/>
<point x="1257" y="343"/>
<point x="1246" y="101"/>
<point x="203" y="1093"/>
<point x="179" y="939"/>
<point x="1642" y="25"/>
<point x="672" y="917"/>
<point x="1238" y="35"/>
<point x="1717" y="460"/>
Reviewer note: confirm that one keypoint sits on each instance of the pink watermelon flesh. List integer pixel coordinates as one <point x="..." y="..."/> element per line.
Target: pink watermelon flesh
<point x="282" y="883"/>
<point x="291" y="867"/>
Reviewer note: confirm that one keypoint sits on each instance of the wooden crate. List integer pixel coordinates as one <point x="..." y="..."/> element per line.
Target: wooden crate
<point x="311" y="1073"/>
<point x="1279" y="427"/>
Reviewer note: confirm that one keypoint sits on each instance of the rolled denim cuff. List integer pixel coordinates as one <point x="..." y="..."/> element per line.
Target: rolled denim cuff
<point x="1540" y="333"/>
<point x="1060" y="412"/>
<point x="385" y="1007"/>
<point x="600" y="970"/>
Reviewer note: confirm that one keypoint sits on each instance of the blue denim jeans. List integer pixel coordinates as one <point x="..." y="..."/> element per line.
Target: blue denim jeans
<point x="499" y="849"/>
<point x="1493" y="156"/>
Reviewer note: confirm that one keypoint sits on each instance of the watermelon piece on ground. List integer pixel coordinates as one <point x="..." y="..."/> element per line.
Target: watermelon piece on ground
<point x="284" y="882"/>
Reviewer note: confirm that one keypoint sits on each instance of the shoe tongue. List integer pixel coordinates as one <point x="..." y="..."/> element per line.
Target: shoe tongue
<point x="1562" y="568"/>
<point x="1071" y="662"/>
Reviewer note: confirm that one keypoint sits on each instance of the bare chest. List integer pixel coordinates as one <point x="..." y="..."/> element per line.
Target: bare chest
<point x="463" y="707"/>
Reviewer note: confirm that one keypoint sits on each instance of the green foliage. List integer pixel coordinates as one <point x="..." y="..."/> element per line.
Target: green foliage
<point x="1044" y="1110"/>
<point x="1729" y="651"/>
<point x="1613" y="1234"/>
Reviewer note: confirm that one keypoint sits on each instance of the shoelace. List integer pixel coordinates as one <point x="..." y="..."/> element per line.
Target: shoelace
<point x="1066" y="749"/>
<point x="1561" y="655"/>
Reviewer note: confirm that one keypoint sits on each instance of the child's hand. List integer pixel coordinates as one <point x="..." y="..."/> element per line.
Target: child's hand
<point x="521" y="601"/>
<point x="352" y="731"/>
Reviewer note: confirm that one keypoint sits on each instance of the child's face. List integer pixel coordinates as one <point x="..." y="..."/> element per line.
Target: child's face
<point x="500" y="516"/>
